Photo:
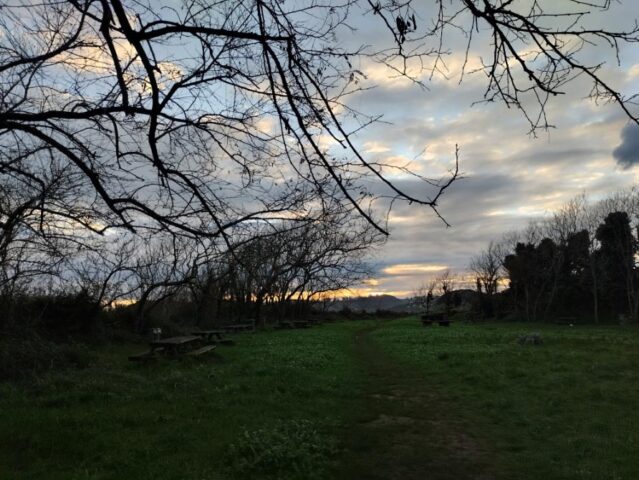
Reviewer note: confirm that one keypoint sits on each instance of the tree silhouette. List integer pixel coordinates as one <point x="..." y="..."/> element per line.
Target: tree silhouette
<point x="197" y="117"/>
<point x="616" y="257"/>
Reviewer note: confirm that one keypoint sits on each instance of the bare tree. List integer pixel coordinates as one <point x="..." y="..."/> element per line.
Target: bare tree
<point x="289" y="266"/>
<point x="424" y="295"/>
<point x="446" y="283"/>
<point x="487" y="268"/>
<point x="34" y="242"/>
<point x="199" y="118"/>
<point x="204" y="119"/>
<point x="163" y="269"/>
<point x="106" y="272"/>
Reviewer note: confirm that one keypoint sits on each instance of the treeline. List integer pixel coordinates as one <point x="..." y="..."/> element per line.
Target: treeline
<point x="74" y="281"/>
<point x="577" y="265"/>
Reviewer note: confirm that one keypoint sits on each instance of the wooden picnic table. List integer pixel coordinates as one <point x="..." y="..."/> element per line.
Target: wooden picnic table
<point x="216" y="336"/>
<point x="294" y="324"/>
<point x="239" y="327"/>
<point x="176" y="345"/>
<point x="428" y="319"/>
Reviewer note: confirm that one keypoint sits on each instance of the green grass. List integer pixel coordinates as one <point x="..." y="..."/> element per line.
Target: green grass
<point x="565" y="410"/>
<point x="264" y="408"/>
<point x="340" y="398"/>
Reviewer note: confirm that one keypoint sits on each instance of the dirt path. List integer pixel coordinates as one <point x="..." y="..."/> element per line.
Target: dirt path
<point x="405" y="432"/>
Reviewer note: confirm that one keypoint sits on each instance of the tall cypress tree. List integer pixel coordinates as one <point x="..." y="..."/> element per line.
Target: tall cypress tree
<point x="616" y="258"/>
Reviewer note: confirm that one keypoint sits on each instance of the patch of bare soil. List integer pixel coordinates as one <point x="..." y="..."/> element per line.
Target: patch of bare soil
<point x="406" y="432"/>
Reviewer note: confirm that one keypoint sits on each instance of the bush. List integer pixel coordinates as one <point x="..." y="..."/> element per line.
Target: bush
<point x="22" y="358"/>
<point x="67" y="314"/>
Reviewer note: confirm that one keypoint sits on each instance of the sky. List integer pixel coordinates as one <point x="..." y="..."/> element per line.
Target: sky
<point x="509" y="176"/>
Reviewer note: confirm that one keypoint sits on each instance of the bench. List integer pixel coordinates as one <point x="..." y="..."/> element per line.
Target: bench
<point x="201" y="350"/>
<point x="144" y="356"/>
<point x="429" y="318"/>
<point x="236" y="328"/>
<point x="283" y="325"/>
<point x="213" y="336"/>
<point x="176" y="346"/>
<point x="440" y="318"/>
<point x="566" y="321"/>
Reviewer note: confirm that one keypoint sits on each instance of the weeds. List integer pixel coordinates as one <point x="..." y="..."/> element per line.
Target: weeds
<point x="293" y="449"/>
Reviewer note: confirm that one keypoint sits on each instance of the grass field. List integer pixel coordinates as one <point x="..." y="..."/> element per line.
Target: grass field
<point x="362" y="400"/>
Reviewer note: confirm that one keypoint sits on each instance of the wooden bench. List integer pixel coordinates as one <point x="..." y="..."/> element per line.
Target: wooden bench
<point x="201" y="350"/>
<point x="176" y="346"/>
<point x="440" y="318"/>
<point x="429" y="318"/>
<point x="283" y="325"/>
<point x="145" y="356"/>
<point x="213" y="336"/>
<point x="241" y="327"/>
<point x="566" y="321"/>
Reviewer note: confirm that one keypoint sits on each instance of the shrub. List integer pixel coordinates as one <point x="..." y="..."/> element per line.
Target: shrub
<point x="22" y="358"/>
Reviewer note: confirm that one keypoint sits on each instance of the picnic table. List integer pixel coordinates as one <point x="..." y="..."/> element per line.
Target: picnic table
<point x="428" y="319"/>
<point x="294" y="324"/>
<point x="213" y="336"/>
<point x="239" y="327"/>
<point x="192" y="345"/>
<point x="176" y="345"/>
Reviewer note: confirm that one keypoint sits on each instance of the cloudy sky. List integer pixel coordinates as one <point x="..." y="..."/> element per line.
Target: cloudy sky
<point x="510" y="177"/>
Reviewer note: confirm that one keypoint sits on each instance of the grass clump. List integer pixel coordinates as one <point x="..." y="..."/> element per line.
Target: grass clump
<point x="289" y="449"/>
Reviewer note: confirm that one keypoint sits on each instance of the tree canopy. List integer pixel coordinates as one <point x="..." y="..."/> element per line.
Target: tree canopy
<point x="196" y="116"/>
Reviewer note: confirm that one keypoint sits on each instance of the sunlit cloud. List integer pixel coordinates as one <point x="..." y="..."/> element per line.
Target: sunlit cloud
<point x="364" y="291"/>
<point x="375" y="147"/>
<point x="413" y="269"/>
<point x="633" y="72"/>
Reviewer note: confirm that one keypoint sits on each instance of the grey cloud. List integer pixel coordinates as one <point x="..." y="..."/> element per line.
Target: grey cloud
<point x="627" y="153"/>
<point x="511" y="178"/>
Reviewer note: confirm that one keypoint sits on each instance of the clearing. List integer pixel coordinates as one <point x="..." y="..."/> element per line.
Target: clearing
<point x="360" y="399"/>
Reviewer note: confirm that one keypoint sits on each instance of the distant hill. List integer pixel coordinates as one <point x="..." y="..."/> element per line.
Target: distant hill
<point x="392" y="304"/>
<point x="373" y="303"/>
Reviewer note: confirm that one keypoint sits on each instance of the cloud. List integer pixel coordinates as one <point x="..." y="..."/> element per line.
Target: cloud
<point x="627" y="153"/>
<point x="510" y="178"/>
<point x="412" y="269"/>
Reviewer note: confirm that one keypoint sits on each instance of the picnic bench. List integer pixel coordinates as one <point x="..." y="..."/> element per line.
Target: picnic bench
<point x="430" y="318"/>
<point x="201" y="350"/>
<point x="174" y="347"/>
<point x="238" y="327"/>
<point x="144" y="356"/>
<point x="294" y="324"/>
<point x="213" y="336"/>
<point x="565" y="321"/>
